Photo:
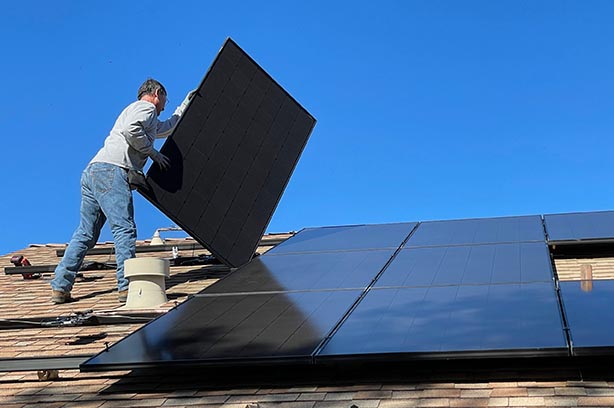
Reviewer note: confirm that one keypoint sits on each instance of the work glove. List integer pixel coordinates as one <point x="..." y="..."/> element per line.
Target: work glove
<point x="181" y="108"/>
<point x="161" y="160"/>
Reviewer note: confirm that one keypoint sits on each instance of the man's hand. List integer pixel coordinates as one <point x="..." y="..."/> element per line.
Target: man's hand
<point x="181" y="108"/>
<point x="162" y="161"/>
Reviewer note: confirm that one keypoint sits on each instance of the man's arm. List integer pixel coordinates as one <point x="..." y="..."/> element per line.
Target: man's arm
<point x="141" y="130"/>
<point x="165" y="128"/>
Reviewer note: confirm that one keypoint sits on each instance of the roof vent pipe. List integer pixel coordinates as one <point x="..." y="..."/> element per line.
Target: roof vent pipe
<point x="157" y="239"/>
<point x="147" y="287"/>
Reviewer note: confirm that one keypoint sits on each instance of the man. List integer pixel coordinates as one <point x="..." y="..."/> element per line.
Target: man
<point x="105" y="190"/>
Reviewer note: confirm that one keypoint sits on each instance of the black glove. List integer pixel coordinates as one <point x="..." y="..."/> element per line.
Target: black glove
<point x="136" y="179"/>
<point x="161" y="160"/>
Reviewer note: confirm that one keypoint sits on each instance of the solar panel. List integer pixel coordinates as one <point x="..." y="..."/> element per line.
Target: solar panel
<point x="479" y="264"/>
<point x="588" y="307"/>
<point x="233" y="329"/>
<point x="478" y="231"/>
<point x="305" y="271"/>
<point x="345" y="238"/>
<point x="232" y="155"/>
<point x="580" y="226"/>
<point x="444" y="321"/>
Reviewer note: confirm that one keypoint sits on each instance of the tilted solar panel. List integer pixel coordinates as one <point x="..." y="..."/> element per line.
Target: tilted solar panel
<point x="232" y="155"/>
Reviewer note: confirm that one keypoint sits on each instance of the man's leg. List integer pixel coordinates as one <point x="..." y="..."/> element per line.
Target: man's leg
<point x="91" y="221"/>
<point x="118" y="207"/>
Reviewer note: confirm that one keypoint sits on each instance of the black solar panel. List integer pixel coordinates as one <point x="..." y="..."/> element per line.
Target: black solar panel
<point x="232" y="155"/>
<point x="588" y="307"/>
<point x="232" y="328"/>
<point x="345" y="238"/>
<point x="310" y="271"/>
<point x="479" y="264"/>
<point x="435" y="322"/>
<point x="580" y="226"/>
<point x="478" y="231"/>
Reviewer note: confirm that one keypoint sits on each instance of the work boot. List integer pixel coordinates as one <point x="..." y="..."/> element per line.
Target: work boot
<point x="122" y="296"/>
<point x="58" y="296"/>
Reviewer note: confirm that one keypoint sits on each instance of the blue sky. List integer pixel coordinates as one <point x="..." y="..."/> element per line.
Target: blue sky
<point x="426" y="109"/>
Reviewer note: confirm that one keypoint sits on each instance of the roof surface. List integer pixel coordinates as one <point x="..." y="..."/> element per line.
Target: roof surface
<point x="29" y="299"/>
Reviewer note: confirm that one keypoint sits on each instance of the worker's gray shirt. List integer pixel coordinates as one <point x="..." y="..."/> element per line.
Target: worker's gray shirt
<point x="131" y="141"/>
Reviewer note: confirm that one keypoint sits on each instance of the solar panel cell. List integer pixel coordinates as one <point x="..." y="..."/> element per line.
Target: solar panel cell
<point x="191" y="212"/>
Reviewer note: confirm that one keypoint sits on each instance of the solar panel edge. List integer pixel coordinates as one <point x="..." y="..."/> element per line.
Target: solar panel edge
<point x="273" y="80"/>
<point x="204" y="79"/>
<point x="187" y="229"/>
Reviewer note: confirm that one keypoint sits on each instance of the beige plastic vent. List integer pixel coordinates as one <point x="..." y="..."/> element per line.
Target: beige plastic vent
<point x="147" y="286"/>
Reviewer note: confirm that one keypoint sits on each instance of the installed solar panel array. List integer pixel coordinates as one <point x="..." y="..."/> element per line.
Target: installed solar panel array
<point x="435" y="290"/>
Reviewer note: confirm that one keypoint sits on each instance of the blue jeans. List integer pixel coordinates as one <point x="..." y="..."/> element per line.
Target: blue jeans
<point x="105" y="195"/>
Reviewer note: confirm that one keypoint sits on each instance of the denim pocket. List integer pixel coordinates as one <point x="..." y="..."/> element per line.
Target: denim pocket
<point x="102" y="179"/>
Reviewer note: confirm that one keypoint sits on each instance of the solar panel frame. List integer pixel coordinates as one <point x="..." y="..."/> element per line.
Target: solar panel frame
<point x="232" y="155"/>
